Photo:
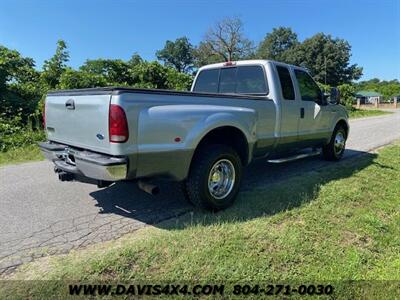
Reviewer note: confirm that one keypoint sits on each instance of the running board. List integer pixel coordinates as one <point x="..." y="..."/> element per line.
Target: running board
<point x="294" y="157"/>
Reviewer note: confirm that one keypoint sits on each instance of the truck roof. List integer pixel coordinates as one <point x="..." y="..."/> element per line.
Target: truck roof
<point x="247" y="62"/>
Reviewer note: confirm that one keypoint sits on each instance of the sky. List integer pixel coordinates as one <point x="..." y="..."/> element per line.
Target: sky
<point x="119" y="28"/>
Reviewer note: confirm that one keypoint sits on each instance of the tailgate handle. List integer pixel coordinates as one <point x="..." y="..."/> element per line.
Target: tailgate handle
<point x="70" y="104"/>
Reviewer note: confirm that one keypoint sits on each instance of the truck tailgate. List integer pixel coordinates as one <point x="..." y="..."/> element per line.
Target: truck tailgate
<point x="79" y="120"/>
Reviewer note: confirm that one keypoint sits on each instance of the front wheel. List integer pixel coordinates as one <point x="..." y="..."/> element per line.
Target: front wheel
<point x="335" y="149"/>
<point x="214" y="177"/>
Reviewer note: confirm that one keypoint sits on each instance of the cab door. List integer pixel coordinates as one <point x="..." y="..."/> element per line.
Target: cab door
<point x="314" y="114"/>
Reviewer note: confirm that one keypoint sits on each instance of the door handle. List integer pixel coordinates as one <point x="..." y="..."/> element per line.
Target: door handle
<point x="70" y="104"/>
<point x="302" y="113"/>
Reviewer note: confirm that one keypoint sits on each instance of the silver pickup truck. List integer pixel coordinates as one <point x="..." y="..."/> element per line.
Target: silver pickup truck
<point x="236" y="112"/>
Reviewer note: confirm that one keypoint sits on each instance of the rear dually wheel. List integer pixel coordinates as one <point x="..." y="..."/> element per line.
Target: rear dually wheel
<point x="214" y="177"/>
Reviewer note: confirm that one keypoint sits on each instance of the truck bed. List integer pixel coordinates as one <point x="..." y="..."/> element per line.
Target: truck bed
<point x="155" y="119"/>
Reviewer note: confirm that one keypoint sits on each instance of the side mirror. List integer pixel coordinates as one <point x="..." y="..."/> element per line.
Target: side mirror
<point x="335" y="96"/>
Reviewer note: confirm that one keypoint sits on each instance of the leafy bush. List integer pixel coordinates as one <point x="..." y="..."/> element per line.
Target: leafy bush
<point x="13" y="134"/>
<point x="154" y="75"/>
<point x="179" y="81"/>
<point x="72" y="79"/>
<point x="347" y="93"/>
<point x="325" y="88"/>
<point x="143" y="74"/>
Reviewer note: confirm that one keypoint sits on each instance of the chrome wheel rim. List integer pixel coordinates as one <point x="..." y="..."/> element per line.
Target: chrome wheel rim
<point x="221" y="179"/>
<point x="340" y="142"/>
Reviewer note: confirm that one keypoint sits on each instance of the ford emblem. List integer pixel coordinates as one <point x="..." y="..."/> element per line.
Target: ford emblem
<point x="100" y="136"/>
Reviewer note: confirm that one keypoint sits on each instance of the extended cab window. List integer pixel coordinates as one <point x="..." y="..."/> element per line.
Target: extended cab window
<point x="207" y="81"/>
<point x="286" y="83"/>
<point x="309" y="90"/>
<point x="251" y="80"/>
<point x="240" y="80"/>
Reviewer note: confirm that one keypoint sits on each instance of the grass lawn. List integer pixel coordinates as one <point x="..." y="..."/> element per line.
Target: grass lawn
<point x="362" y="113"/>
<point x="19" y="155"/>
<point x="338" y="223"/>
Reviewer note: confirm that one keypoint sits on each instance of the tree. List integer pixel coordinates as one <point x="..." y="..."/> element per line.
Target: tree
<point x="389" y="89"/>
<point x="325" y="88"/>
<point x="177" y="54"/>
<point x="14" y="68"/>
<point x="347" y="93"/>
<point x="55" y="66"/>
<point x="135" y="60"/>
<point x="204" y="55"/>
<point x="115" y="71"/>
<point x="154" y="75"/>
<point x="72" y="79"/>
<point x="225" y="42"/>
<point x="276" y="44"/>
<point x="149" y="75"/>
<point x="178" y="81"/>
<point x="327" y="59"/>
<point x="19" y="90"/>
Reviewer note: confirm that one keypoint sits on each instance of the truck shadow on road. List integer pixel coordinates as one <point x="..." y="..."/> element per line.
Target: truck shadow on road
<point x="263" y="192"/>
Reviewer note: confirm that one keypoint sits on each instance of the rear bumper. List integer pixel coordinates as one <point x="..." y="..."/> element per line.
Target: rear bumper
<point x="83" y="162"/>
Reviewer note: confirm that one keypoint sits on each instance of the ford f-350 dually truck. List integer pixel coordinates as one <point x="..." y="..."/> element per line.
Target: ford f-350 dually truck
<point x="235" y="113"/>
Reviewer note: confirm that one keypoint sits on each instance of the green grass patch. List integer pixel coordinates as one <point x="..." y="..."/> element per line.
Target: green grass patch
<point x="336" y="224"/>
<point x="362" y="113"/>
<point x="21" y="154"/>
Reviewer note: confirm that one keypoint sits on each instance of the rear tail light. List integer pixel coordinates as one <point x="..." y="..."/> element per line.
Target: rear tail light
<point x="117" y="125"/>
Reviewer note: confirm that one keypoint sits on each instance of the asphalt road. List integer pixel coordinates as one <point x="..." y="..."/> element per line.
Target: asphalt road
<point x="40" y="215"/>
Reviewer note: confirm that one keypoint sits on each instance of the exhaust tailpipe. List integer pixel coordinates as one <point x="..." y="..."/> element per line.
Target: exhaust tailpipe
<point x="148" y="187"/>
<point x="64" y="176"/>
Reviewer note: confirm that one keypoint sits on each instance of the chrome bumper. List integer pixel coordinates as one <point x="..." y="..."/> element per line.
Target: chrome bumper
<point x="90" y="164"/>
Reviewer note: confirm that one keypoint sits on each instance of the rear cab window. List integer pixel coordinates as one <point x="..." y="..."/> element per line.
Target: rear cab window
<point x="246" y="80"/>
<point x="207" y="81"/>
<point x="227" y="80"/>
